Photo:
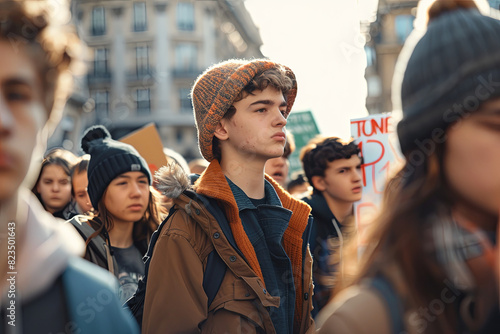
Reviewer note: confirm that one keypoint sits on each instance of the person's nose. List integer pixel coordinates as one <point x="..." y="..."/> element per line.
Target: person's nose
<point x="280" y="119"/>
<point x="55" y="187"/>
<point x="135" y="190"/>
<point x="356" y="175"/>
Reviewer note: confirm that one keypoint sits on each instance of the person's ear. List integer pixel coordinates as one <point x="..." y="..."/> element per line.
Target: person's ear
<point x="221" y="131"/>
<point x="318" y="182"/>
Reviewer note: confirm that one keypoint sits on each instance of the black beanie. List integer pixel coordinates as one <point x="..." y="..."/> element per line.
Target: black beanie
<point x="108" y="159"/>
<point x="453" y="69"/>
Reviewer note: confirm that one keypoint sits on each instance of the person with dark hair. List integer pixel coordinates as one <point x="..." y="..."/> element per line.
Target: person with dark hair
<point x="234" y="213"/>
<point x="278" y="168"/>
<point x="127" y="209"/>
<point x="332" y="168"/>
<point x="298" y="185"/>
<point x="53" y="186"/>
<point x="431" y="264"/>
<point x="79" y="182"/>
<point x="45" y="286"/>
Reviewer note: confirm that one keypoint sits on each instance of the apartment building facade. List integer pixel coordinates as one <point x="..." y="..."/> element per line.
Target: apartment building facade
<point x="145" y="56"/>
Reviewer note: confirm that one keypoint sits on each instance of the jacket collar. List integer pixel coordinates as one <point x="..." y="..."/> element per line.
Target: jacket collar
<point x="244" y="202"/>
<point x="213" y="183"/>
<point x="320" y="208"/>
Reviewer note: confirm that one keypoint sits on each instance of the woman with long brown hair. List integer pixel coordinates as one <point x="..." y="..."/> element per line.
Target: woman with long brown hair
<point x="127" y="210"/>
<point x="431" y="265"/>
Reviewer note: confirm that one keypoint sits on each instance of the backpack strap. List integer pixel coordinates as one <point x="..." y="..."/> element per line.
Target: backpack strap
<point x="216" y="267"/>
<point x="212" y="278"/>
<point x="98" y="245"/>
<point x="392" y="301"/>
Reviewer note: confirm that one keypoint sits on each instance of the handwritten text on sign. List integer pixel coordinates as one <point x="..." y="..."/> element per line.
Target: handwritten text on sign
<point x="375" y="136"/>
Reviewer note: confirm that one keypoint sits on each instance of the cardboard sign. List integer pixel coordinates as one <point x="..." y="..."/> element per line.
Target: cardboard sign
<point x="148" y="143"/>
<point x="375" y="136"/>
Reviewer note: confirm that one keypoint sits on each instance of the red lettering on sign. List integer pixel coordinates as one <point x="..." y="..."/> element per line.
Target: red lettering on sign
<point x="377" y="126"/>
<point x="364" y="165"/>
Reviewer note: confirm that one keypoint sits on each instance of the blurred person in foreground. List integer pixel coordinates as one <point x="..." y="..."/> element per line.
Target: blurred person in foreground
<point x="431" y="265"/>
<point x="278" y="168"/>
<point x="332" y="167"/>
<point x="235" y="212"/>
<point x="45" y="286"/>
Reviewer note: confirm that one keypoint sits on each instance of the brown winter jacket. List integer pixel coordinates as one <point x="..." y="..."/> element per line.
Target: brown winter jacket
<point x="175" y="300"/>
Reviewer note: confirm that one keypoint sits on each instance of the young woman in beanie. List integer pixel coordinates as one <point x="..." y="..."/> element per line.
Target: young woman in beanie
<point x="432" y="261"/>
<point x="126" y="208"/>
<point x="53" y="186"/>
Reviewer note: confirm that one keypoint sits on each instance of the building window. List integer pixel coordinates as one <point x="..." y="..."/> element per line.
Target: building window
<point x="185" y="101"/>
<point x="185" y="16"/>
<point x="100" y="62"/>
<point x="404" y="26"/>
<point x="140" y="23"/>
<point x="143" y="102"/>
<point x="101" y="99"/>
<point x="186" y="57"/>
<point x="142" y="61"/>
<point x="98" y="21"/>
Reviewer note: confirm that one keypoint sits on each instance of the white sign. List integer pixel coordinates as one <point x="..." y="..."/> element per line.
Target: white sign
<point x="377" y="140"/>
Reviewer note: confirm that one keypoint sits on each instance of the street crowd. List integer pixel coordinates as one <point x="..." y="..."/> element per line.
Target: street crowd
<point x="232" y="243"/>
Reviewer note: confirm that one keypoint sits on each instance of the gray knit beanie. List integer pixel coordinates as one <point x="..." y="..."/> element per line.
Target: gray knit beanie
<point x="108" y="159"/>
<point x="453" y="69"/>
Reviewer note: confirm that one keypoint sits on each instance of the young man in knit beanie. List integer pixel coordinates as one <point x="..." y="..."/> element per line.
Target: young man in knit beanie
<point x="236" y="213"/>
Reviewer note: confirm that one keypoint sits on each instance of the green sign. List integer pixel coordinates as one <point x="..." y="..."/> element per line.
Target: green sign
<point x="303" y="127"/>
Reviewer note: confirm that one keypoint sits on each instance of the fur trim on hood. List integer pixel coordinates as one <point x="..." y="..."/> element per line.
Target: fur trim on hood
<point x="171" y="180"/>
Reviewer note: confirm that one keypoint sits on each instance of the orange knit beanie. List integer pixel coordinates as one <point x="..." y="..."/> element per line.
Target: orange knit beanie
<point x="215" y="90"/>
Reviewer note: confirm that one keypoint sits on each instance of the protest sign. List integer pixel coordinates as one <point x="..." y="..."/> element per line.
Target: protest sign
<point x="148" y="143"/>
<point x="375" y="136"/>
<point x="303" y="128"/>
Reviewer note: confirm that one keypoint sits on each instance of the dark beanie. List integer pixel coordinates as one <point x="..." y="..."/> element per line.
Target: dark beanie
<point x="108" y="159"/>
<point x="453" y="69"/>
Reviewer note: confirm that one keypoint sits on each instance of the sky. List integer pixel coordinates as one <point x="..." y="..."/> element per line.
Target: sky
<point x="320" y="41"/>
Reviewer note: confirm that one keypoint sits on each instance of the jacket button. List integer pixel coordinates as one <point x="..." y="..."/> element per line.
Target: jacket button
<point x="306" y="296"/>
<point x="264" y="291"/>
<point x="216" y="235"/>
<point x="247" y="294"/>
<point x="197" y="211"/>
<point x="232" y="258"/>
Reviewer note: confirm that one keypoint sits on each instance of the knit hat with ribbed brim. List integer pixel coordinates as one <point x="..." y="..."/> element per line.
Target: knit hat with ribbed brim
<point x="453" y="68"/>
<point x="108" y="159"/>
<point x="216" y="89"/>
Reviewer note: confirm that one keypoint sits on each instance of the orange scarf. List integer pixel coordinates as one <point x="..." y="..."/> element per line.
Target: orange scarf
<point x="212" y="183"/>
